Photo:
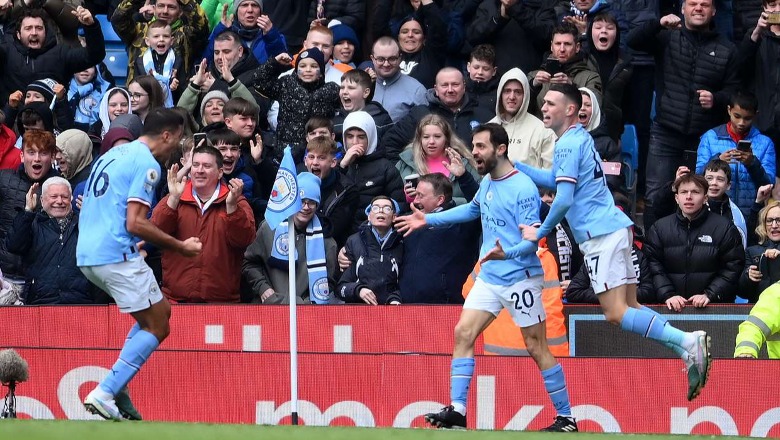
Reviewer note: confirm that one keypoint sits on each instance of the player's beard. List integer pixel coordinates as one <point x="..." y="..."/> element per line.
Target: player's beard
<point x="490" y="164"/>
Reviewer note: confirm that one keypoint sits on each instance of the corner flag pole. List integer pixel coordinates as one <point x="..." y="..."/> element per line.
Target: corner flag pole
<point x="293" y="322"/>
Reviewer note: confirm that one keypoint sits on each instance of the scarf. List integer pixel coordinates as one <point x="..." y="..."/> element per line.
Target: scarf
<point x="63" y="223"/>
<point x="246" y="34"/>
<point x="83" y="99"/>
<point x="319" y="291"/>
<point x="164" y="77"/>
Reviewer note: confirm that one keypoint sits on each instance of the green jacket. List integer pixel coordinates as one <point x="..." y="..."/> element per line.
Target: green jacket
<point x="763" y="324"/>
<point x="190" y="33"/>
<point x="213" y="10"/>
<point x="406" y="167"/>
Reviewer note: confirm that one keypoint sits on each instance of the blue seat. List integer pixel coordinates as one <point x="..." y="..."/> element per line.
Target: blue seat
<point x="109" y="35"/>
<point x="629" y="144"/>
<point x="116" y="61"/>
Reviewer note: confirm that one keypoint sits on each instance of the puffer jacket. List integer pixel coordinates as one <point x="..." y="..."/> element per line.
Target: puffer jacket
<point x="49" y="258"/>
<point x="14" y="185"/>
<point x="761" y="64"/>
<point x="749" y="289"/>
<point x="691" y="257"/>
<point x="298" y="101"/>
<point x="686" y="62"/>
<point x="373" y="266"/>
<point x="744" y="180"/>
<point x="190" y="32"/>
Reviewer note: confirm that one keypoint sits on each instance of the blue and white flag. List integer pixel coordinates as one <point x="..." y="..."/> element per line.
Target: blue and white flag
<point x="285" y="197"/>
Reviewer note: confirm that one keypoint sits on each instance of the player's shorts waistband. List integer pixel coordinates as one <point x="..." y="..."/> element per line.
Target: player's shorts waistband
<point x="133" y="253"/>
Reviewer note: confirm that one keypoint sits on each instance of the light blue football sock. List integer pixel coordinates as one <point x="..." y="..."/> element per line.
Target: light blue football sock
<point x="461" y="372"/>
<point x="133" y="355"/>
<point x="555" y="384"/>
<point x="653" y="326"/>
<point x="674" y="347"/>
<point x="133" y="330"/>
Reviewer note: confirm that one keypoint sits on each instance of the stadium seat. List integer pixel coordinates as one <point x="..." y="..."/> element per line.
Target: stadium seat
<point x="629" y="144"/>
<point x="116" y="61"/>
<point x="109" y="34"/>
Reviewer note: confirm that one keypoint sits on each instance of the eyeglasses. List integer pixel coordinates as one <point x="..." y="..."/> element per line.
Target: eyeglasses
<point x="137" y="95"/>
<point x="771" y="220"/>
<point x="387" y="209"/>
<point x="382" y="60"/>
<point x="308" y="203"/>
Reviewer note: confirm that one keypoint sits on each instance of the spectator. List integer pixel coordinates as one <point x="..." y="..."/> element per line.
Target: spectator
<point x="566" y="64"/>
<point x="356" y="92"/>
<point x="760" y="55"/>
<point x="349" y="12"/>
<point x="29" y="55"/>
<point x="375" y="254"/>
<point x="321" y="38"/>
<point x="372" y="174"/>
<point x="317" y="127"/>
<point x="449" y="252"/>
<point x="38" y="149"/>
<point x="46" y="242"/>
<point x="482" y="82"/>
<point x="115" y="102"/>
<point x="230" y="74"/>
<point x="718" y="175"/>
<point x="520" y="31"/>
<point x="74" y="156"/>
<point x="448" y="99"/>
<point x="423" y="41"/>
<point x="762" y="325"/>
<point x="338" y="194"/>
<point x="583" y="13"/>
<point x="206" y="207"/>
<point x="255" y="28"/>
<point x="161" y="61"/>
<point x="529" y="141"/>
<point x="290" y="17"/>
<point x="124" y="128"/>
<point x="300" y="96"/>
<point x="435" y="149"/>
<point x="756" y="278"/>
<point x="346" y="46"/>
<point x="241" y="117"/>
<point x="695" y="256"/>
<point x="752" y="165"/>
<point x="85" y="92"/>
<point x="9" y="154"/>
<point x="614" y="67"/>
<point x="591" y="117"/>
<point x="49" y="92"/>
<point x="396" y="92"/>
<point x="188" y="22"/>
<point x="746" y="14"/>
<point x="145" y="95"/>
<point x="236" y="165"/>
<point x="34" y="116"/>
<point x="266" y="259"/>
<point x="692" y="88"/>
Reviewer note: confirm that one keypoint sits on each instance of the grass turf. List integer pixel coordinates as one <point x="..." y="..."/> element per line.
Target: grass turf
<point x="97" y="430"/>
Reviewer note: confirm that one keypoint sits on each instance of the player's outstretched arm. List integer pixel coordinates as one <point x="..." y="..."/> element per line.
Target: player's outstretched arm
<point x="459" y="214"/>
<point x="543" y="178"/>
<point x="564" y="197"/>
<point x="406" y="224"/>
<point x="138" y="225"/>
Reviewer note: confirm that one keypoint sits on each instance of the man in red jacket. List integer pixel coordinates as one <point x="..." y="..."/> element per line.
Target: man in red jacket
<point x="206" y="207"/>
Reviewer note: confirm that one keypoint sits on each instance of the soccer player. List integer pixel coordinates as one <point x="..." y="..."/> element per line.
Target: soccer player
<point x="511" y="278"/>
<point x="117" y="199"/>
<point x="603" y="233"/>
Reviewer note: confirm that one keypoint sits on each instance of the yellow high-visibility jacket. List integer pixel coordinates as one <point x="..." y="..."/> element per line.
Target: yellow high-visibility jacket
<point x="763" y="324"/>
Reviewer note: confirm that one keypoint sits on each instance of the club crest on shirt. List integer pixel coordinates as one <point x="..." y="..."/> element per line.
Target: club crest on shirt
<point x="281" y="244"/>
<point x="489" y="196"/>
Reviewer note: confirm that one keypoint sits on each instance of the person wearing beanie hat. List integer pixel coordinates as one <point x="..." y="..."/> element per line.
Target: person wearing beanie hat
<point x="300" y="96"/>
<point x="266" y="259"/>
<point x="43" y="88"/>
<point x="211" y="107"/>
<point x="45" y="91"/>
<point x="345" y="44"/>
<point x="131" y="122"/>
<point x="74" y="155"/>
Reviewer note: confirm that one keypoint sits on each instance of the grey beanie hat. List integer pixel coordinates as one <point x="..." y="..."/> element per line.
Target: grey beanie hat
<point x="218" y="94"/>
<point x="131" y="122"/>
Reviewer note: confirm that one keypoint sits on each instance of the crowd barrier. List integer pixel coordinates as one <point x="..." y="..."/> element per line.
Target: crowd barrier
<point x="367" y="366"/>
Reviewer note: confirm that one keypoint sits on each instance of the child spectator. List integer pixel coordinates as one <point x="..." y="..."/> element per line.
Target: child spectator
<point x="47" y="91"/>
<point x="85" y="92"/>
<point x="160" y="59"/>
<point x="300" y="96"/>
<point x="482" y="82"/>
<point x="356" y="92"/>
<point x="345" y="45"/>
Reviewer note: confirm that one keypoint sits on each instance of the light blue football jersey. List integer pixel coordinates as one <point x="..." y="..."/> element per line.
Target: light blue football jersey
<point x="593" y="212"/>
<point x="125" y="173"/>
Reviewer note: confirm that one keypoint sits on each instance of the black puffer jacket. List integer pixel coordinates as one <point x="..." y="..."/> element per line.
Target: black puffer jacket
<point x="49" y="257"/>
<point x="761" y="66"/>
<point x="690" y="257"/>
<point x="14" y="185"/>
<point x="463" y="121"/>
<point x="381" y="118"/>
<point x="580" y="290"/>
<point x="687" y="62"/>
<point x="21" y="65"/>
<point x="521" y="39"/>
<point x="349" y="12"/>
<point x="374" y="176"/>
<point x="746" y="13"/>
<point x="749" y="289"/>
<point x="374" y="266"/>
<point x="298" y="101"/>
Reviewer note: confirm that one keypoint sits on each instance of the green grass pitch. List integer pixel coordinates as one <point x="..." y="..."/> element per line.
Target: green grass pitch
<point x="97" y="430"/>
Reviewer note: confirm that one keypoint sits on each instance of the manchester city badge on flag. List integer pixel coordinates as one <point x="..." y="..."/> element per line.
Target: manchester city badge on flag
<point x="285" y="197"/>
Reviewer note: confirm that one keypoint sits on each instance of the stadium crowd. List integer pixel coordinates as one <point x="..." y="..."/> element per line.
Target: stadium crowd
<point x="377" y="100"/>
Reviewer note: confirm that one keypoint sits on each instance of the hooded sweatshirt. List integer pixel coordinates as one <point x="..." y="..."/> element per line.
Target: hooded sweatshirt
<point x="529" y="141"/>
<point x="76" y="149"/>
<point x="103" y="111"/>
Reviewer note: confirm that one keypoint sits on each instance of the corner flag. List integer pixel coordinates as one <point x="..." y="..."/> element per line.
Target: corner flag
<point x="285" y="197"/>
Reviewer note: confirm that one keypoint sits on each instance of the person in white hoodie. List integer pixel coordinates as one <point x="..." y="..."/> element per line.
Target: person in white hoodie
<point x="529" y="141"/>
<point x="372" y="174"/>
